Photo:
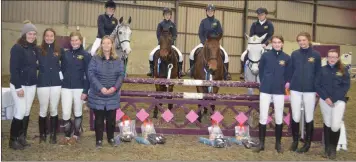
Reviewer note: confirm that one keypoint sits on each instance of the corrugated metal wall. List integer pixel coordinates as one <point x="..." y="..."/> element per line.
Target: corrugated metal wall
<point x="42" y="12"/>
<point x="289" y="18"/>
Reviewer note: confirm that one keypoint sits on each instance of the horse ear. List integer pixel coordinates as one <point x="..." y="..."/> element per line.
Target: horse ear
<point x="129" y="21"/>
<point x="263" y="36"/>
<point x="121" y="20"/>
<point x="247" y="36"/>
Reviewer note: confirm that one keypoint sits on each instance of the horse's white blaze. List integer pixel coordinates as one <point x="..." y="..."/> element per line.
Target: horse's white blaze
<point x="190" y="95"/>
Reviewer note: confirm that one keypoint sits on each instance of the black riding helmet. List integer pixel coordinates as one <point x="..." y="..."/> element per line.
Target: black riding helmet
<point x="167" y="10"/>
<point x="110" y="4"/>
<point x="210" y="7"/>
<point x="261" y="11"/>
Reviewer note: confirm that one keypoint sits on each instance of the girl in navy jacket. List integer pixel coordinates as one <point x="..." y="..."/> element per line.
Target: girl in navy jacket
<point x="106" y="24"/>
<point x="332" y="85"/>
<point x="274" y="67"/>
<point x="306" y="65"/>
<point x="75" y="86"/>
<point x="23" y="81"/>
<point x="210" y="26"/>
<point x="49" y="84"/>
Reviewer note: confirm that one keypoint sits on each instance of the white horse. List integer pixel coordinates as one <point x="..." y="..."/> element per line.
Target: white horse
<point x="122" y="36"/>
<point x="253" y="53"/>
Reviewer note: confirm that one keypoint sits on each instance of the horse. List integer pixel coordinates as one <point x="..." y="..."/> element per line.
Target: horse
<point x="163" y="58"/>
<point x="122" y="36"/>
<point x="253" y="53"/>
<point x="208" y="66"/>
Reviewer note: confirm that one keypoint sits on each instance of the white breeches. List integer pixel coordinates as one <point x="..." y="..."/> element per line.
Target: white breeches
<point x="68" y="96"/>
<point x="191" y="55"/>
<point x="23" y="104"/>
<point x="332" y="116"/>
<point x="150" y="57"/>
<point x="265" y="101"/>
<point x="49" y="96"/>
<point x="309" y="105"/>
<point x="95" y="46"/>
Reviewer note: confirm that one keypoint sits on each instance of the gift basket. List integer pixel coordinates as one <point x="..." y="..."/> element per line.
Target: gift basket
<point x="216" y="137"/>
<point x="149" y="135"/>
<point x="127" y="129"/>
<point x="242" y="136"/>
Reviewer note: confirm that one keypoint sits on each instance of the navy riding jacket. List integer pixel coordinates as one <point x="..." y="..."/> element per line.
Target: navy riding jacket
<point x="274" y="70"/>
<point x="209" y="25"/>
<point x="74" y="66"/>
<point x="106" y="25"/>
<point x="332" y="84"/>
<point x="49" y="68"/>
<point x="23" y="65"/>
<point x="169" y="26"/>
<point x="260" y="30"/>
<point x="306" y="65"/>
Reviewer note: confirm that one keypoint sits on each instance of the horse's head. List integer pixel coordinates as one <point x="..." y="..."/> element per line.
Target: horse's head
<point x="165" y="42"/>
<point x="124" y="35"/>
<point x="212" y="52"/>
<point x="255" y="50"/>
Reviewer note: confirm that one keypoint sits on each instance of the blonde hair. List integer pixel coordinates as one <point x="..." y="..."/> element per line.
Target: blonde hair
<point x="113" y="53"/>
<point x="76" y="33"/>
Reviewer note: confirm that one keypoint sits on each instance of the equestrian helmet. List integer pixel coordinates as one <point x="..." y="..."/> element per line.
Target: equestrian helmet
<point x="167" y="10"/>
<point x="210" y="7"/>
<point x="110" y="4"/>
<point x="261" y="10"/>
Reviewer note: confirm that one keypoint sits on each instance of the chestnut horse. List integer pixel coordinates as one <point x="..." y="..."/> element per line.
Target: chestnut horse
<point x="165" y="56"/>
<point x="208" y="62"/>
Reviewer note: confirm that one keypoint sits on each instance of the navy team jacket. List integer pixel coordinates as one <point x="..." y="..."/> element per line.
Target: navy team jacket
<point x="23" y="65"/>
<point x="306" y="65"/>
<point x="274" y="70"/>
<point x="74" y="66"/>
<point x="332" y="84"/>
<point x="49" y="68"/>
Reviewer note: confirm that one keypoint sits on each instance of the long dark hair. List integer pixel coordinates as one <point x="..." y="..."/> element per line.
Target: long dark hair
<point x="339" y="65"/>
<point x="44" y="44"/>
<point x="23" y="42"/>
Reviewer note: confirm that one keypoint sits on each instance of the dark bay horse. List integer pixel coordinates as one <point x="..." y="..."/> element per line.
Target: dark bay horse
<point x="165" y="56"/>
<point x="208" y="62"/>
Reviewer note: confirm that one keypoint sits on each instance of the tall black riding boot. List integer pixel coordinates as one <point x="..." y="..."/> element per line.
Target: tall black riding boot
<point x="227" y="75"/>
<point x="14" y="143"/>
<point x="53" y="129"/>
<point x="23" y="132"/>
<point x="326" y="141"/>
<point x="67" y="128"/>
<point x="180" y="70"/>
<point x="150" y="73"/>
<point x="262" y="135"/>
<point x="334" y="139"/>
<point x="77" y="125"/>
<point x="295" y="135"/>
<point x="242" y="70"/>
<point x="42" y="127"/>
<point x="191" y="66"/>
<point x="278" y="134"/>
<point x="308" y="138"/>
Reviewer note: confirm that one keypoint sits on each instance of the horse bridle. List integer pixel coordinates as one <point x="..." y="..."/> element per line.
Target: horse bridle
<point x="118" y="38"/>
<point x="251" y="62"/>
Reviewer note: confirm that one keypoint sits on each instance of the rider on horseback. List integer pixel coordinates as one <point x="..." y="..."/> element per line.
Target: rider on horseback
<point x="106" y="24"/>
<point x="165" y="24"/>
<point x="259" y="28"/>
<point x="210" y="25"/>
